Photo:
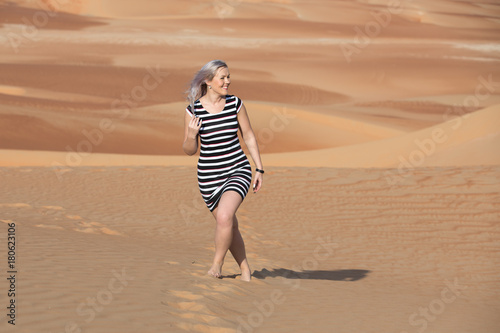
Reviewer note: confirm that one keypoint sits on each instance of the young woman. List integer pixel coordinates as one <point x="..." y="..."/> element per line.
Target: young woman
<point x="224" y="172"/>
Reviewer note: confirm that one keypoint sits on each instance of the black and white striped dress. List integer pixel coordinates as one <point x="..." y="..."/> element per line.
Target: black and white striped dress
<point x="222" y="166"/>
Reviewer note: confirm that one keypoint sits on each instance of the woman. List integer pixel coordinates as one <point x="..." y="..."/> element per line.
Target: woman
<point x="224" y="173"/>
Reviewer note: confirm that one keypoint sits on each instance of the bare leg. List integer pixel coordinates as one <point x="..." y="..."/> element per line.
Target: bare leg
<point x="238" y="251"/>
<point x="227" y="235"/>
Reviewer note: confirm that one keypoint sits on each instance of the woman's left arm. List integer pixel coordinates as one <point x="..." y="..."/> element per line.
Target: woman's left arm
<point x="251" y="143"/>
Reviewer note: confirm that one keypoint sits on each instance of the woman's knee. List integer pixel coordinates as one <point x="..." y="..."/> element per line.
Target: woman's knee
<point x="225" y="219"/>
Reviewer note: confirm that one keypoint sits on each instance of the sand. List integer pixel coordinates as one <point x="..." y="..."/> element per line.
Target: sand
<point x="379" y="128"/>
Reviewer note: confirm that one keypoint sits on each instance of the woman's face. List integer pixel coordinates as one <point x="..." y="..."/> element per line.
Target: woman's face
<point x="221" y="81"/>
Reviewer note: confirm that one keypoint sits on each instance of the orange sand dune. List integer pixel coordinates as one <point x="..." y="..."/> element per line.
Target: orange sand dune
<point x="471" y="139"/>
<point x="378" y="123"/>
<point x="464" y="140"/>
<point x="44" y="14"/>
<point x="327" y="246"/>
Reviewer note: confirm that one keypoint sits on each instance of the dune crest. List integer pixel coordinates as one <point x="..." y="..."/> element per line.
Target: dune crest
<point x="451" y="143"/>
<point x="378" y="122"/>
<point x="476" y="134"/>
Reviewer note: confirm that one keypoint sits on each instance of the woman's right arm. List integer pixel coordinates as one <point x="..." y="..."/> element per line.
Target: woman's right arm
<point x="192" y="126"/>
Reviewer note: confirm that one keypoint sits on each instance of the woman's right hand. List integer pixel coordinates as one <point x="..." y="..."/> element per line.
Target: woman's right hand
<point x="194" y="127"/>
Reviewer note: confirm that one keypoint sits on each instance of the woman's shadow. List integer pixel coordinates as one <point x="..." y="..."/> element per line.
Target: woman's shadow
<point x="336" y="275"/>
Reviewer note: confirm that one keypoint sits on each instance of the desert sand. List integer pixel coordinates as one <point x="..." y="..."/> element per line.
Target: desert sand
<point x="378" y="124"/>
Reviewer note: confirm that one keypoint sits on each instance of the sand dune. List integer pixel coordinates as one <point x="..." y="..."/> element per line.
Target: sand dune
<point x="448" y="144"/>
<point x="21" y="12"/>
<point x="388" y="251"/>
<point x="475" y="134"/>
<point x="379" y="129"/>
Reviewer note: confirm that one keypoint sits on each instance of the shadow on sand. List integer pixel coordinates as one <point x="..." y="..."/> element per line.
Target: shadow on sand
<point x="338" y="275"/>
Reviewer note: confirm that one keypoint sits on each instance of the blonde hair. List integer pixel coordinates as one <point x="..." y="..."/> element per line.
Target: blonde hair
<point x="198" y="87"/>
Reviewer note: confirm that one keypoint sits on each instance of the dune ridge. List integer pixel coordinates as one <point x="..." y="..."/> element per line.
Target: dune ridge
<point x="378" y="123"/>
<point x="476" y="133"/>
<point x="450" y="143"/>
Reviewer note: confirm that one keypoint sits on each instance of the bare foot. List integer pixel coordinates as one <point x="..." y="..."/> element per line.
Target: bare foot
<point x="216" y="270"/>
<point x="246" y="275"/>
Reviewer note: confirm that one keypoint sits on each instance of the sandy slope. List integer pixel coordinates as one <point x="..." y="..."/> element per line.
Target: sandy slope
<point x="387" y="251"/>
<point x="58" y="84"/>
<point x="468" y="139"/>
<point x="381" y="154"/>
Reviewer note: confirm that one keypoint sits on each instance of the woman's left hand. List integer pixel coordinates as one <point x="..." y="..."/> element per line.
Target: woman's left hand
<point x="257" y="182"/>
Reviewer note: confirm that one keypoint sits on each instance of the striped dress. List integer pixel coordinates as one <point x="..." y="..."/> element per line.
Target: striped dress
<point x="222" y="165"/>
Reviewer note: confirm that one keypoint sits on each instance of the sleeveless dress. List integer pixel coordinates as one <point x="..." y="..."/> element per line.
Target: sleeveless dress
<point x="222" y="165"/>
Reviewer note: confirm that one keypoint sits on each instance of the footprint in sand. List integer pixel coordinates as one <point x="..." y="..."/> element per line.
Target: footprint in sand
<point x="49" y="226"/>
<point x="53" y="207"/>
<point x="193" y="316"/>
<point x="56" y="213"/>
<point x="74" y="217"/>
<point x="94" y="228"/>
<point x="193" y="312"/>
<point x="186" y="295"/>
<point x="188" y="306"/>
<point x="15" y="205"/>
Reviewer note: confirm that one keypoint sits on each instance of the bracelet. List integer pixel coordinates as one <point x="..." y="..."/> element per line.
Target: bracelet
<point x="259" y="170"/>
